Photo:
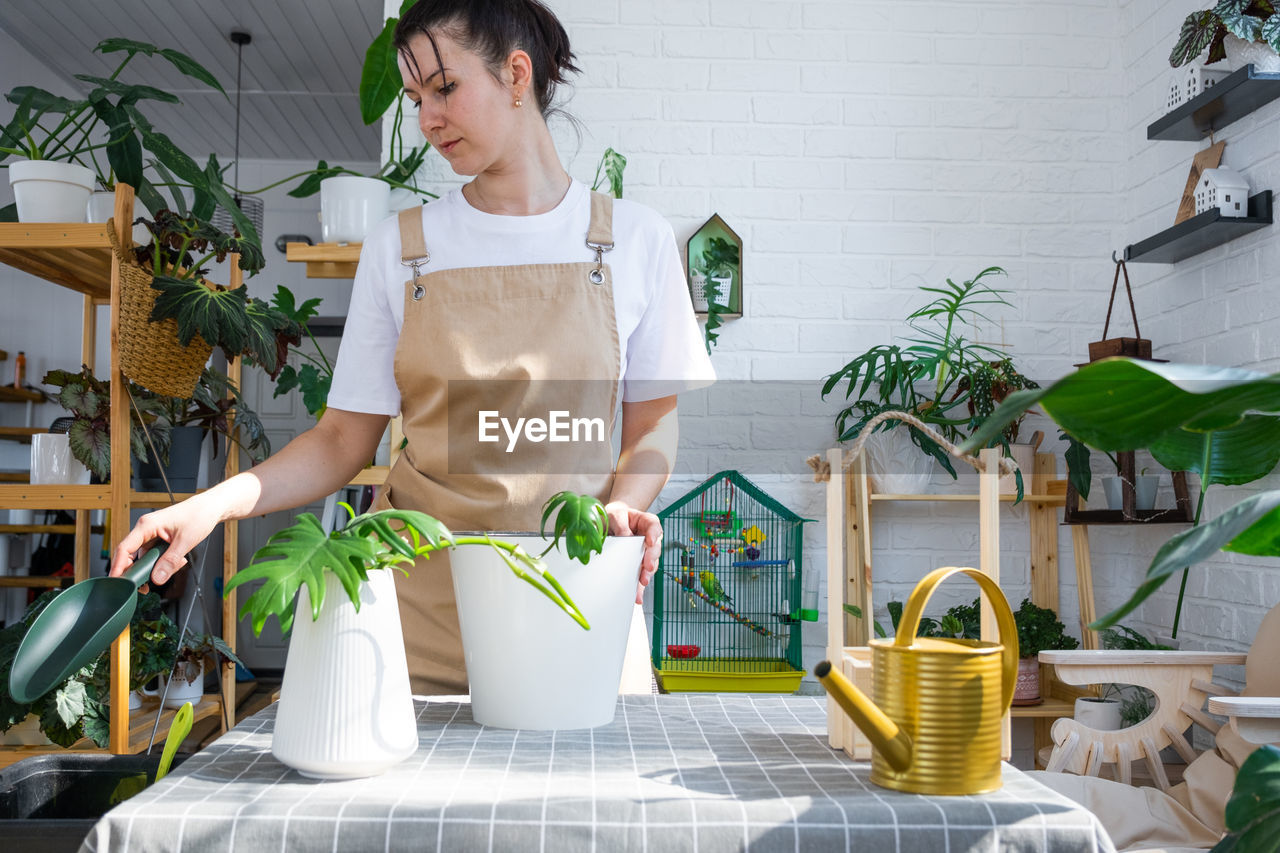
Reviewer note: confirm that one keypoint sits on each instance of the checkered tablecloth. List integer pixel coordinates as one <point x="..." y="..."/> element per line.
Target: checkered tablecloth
<point x="671" y="773"/>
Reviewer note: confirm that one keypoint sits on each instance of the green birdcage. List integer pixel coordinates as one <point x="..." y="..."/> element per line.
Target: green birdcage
<point x="731" y="591"/>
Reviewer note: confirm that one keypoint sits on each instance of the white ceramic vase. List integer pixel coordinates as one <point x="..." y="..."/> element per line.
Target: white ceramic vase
<point x="346" y="710"/>
<point x="350" y="206"/>
<point x="50" y="191"/>
<point x="1100" y="714"/>
<point x="1241" y="53"/>
<point x="1144" y="492"/>
<point x="102" y="206"/>
<point x="187" y="687"/>
<point x="529" y="664"/>
<point x="1025" y="456"/>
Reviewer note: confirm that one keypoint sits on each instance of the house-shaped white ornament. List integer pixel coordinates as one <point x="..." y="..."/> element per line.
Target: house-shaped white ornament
<point x="1224" y="189"/>
<point x="1189" y="81"/>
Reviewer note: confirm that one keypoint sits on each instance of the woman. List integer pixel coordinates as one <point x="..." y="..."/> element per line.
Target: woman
<point x="519" y="296"/>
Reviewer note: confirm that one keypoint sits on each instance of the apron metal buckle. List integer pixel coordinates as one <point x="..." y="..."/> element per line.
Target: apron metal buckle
<point x="597" y="274"/>
<point x="418" y="290"/>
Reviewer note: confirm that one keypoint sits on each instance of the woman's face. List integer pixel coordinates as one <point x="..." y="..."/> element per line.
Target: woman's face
<point x="463" y="111"/>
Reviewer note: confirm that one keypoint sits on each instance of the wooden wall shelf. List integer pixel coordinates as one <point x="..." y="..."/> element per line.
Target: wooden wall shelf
<point x="1200" y="233"/>
<point x="325" y="260"/>
<point x="9" y="394"/>
<point x="76" y="256"/>
<point x="1227" y="101"/>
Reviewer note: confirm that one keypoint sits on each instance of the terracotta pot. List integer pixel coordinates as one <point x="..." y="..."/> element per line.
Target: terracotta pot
<point x="1027" y="691"/>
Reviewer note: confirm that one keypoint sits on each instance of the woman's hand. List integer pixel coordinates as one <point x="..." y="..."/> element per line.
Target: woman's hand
<point x="183" y="525"/>
<point x="628" y="521"/>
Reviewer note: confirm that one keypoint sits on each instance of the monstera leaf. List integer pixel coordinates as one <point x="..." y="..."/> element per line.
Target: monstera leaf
<point x="580" y="521"/>
<point x="1219" y="422"/>
<point x="303" y="552"/>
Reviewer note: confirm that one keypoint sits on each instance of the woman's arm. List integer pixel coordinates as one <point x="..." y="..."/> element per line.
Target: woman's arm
<point x="650" y="433"/>
<point x="315" y="464"/>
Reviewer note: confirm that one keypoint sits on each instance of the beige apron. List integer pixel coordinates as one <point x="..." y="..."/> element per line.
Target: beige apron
<point x="520" y="341"/>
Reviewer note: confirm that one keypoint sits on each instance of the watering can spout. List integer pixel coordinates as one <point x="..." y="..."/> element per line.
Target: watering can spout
<point x="886" y="735"/>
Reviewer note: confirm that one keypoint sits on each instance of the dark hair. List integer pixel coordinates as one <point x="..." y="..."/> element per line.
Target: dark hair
<point x="493" y="29"/>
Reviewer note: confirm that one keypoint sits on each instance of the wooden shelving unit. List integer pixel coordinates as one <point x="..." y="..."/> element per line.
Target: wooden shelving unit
<point x="1227" y="101"/>
<point x="79" y="257"/>
<point x="1200" y="233"/>
<point x="325" y="260"/>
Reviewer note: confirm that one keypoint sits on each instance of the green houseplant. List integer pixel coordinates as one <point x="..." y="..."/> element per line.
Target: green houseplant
<point x="1254" y="21"/>
<point x="104" y="132"/>
<point x="935" y="375"/>
<point x="1039" y="629"/>
<point x="352" y="644"/>
<point x="315" y="375"/>
<point x="78" y="708"/>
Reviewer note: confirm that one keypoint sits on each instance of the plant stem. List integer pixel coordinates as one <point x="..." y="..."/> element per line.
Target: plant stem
<point x="1204" y="479"/>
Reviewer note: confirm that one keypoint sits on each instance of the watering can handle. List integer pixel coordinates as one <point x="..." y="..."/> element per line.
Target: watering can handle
<point x="1004" y="620"/>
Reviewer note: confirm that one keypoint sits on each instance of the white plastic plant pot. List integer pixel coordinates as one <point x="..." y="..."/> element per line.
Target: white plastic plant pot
<point x="52" y="462"/>
<point x="530" y="666"/>
<point x="1144" y="492"/>
<point x="1240" y="53"/>
<point x="1100" y="714"/>
<point x="188" y="686"/>
<point x="896" y="465"/>
<point x="346" y="710"/>
<point x="350" y="206"/>
<point x="49" y="191"/>
<point x="102" y="206"/>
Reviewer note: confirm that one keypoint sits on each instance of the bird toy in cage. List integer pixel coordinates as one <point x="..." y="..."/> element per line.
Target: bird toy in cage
<point x="712" y="524"/>
<point x="753" y="537"/>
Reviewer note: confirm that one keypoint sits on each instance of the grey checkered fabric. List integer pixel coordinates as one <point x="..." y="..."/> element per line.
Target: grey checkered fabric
<point x="671" y="773"/>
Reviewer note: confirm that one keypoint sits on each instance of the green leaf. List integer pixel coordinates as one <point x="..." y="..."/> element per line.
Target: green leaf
<point x="610" y="168"/>
<point x="1126" y="404"/>
<point x="1232" y="15"/>
<point x="68" y="702"/>
<point x="1198" y="30"/>
<point x="218" y="316"/>
<point x="1238" y="454"/>
<point x="124" y="150"/>
<point x="129" y="93"/>
<point x="380" y="81"/>
<point x="1078" y="472"/>
<point x="1270" y="32"/>
<point x="1253" y="812"/>
<point x="191" y="68"/>
<point x="1250" y="527"/>
<point x="581" y="521"/>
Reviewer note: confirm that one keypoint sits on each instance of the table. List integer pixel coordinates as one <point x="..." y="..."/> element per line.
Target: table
<point x="702" y="773"/>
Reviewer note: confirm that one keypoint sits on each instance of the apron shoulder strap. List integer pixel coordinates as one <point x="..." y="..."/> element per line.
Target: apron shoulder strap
<point x="412" y="244"/>
<point x="600" y="231"/>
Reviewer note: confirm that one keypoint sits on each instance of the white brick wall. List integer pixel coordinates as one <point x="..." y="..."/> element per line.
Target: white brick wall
<point x="862" y="150"/>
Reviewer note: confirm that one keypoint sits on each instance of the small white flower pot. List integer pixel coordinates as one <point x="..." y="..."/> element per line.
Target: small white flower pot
<point x="102" y="205"/>
<point x="531" y="666"/>
<point x="1144" y="492"/>
<point x="896" y="466"/>
<point x="1100" y="714"/>
<point x="49" y="191"/>
<point x="1241" y="53"/>
<point x="1025" y="457"/>
<point x="350" y="206"/>
<point x="346" y="710"/>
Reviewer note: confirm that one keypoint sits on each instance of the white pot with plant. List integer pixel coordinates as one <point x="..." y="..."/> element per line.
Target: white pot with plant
<point x="528" y="666"/>
<point x="1145" y="487"/>
<point x="1102" y="712"/>
<point x="1242" y="33"/>
<point x="345" y="708"/>
<point x="50" y="191"/>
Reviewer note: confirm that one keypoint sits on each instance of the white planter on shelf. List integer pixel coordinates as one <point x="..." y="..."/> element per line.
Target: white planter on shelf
<point x="1241" y="53"/>
<point x="530" y="666"/>
<point x="1025" y="457"/>
<point x="1144" y="492"/>
<point x="346" y="710"/>
<point x="1100" y="714"/>
<point x="102" y="205"/>
<point x="49" y="191"/>
<point x="350" y="206"/>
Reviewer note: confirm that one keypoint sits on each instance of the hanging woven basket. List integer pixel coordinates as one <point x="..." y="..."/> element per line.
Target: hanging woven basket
<point x="150" y="353"/>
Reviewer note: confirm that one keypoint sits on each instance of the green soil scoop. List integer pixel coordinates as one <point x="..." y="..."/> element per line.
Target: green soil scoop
<point x="74" y="629"/>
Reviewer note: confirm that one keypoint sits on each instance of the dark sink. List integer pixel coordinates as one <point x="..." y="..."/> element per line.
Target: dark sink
<point x="50" y="802"/>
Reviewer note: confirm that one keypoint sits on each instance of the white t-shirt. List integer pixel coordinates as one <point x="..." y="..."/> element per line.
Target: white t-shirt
<point x="661" y="347"/>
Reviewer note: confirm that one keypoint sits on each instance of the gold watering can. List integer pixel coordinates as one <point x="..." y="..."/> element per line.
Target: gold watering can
<point x="936" y="719"/>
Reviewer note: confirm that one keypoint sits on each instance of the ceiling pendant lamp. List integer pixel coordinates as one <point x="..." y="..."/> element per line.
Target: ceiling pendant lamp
<point x="250" y="205"/>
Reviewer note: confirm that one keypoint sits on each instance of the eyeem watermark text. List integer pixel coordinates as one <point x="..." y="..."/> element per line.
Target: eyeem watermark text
<point x="557" y="427"/>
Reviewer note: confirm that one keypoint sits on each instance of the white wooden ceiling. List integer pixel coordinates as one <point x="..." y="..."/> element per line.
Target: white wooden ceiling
<point x="300" y="80"/>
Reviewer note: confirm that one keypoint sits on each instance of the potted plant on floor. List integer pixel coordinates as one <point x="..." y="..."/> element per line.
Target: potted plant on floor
<point x="1039" y="629"/>
<point x="922" y="376"/>
<point x="353" y="647"/>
